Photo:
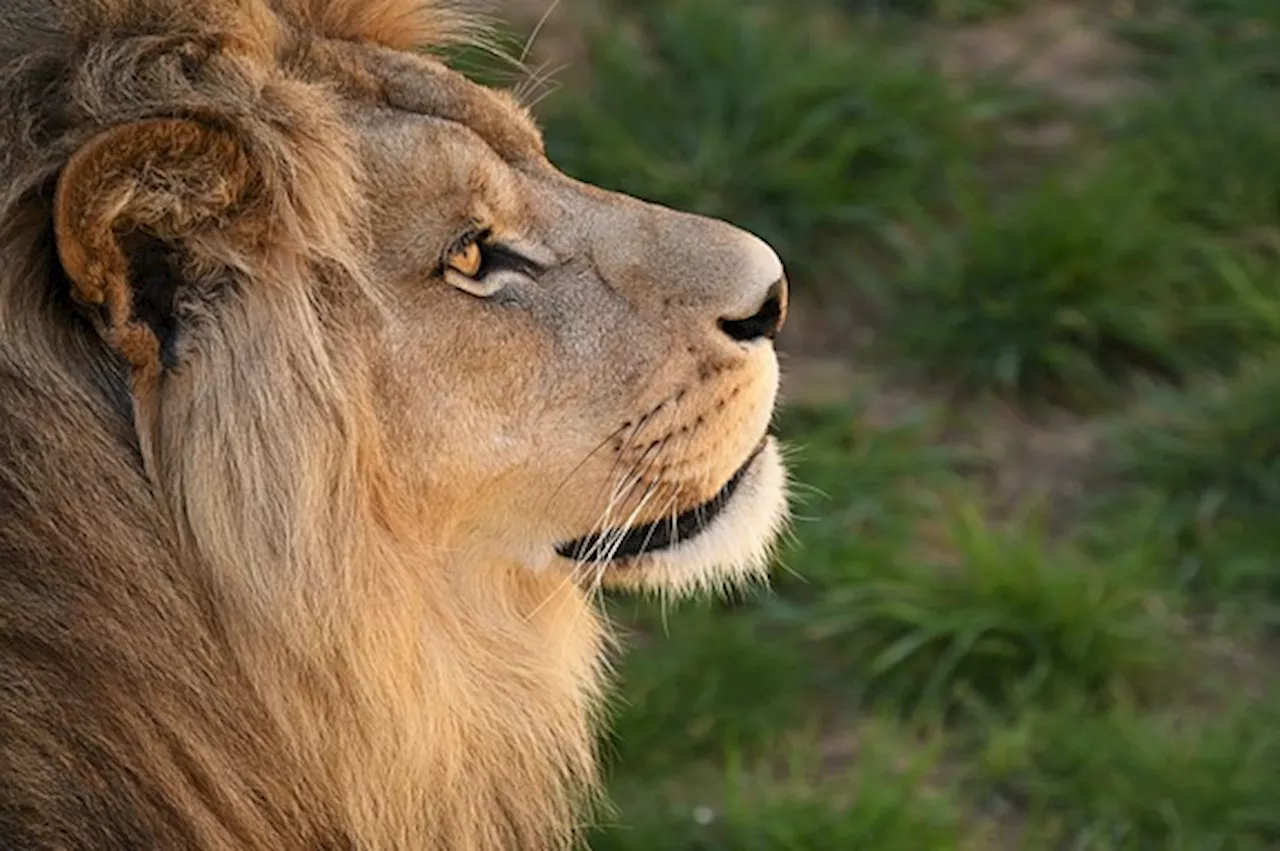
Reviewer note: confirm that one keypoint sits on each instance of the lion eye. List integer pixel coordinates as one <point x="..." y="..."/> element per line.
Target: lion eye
<point x="476" y="265"/>
<point x="467" y="259"/>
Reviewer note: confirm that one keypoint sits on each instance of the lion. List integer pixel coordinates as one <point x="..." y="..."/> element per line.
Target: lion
<point x="328" y="407"/>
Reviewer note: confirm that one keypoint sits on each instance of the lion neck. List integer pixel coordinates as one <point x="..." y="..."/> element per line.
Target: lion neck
<point x="458" y="717"/>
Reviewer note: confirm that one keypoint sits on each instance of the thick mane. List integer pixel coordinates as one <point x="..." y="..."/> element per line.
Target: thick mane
<point x="51" y="50"/>
<point x="235" y="535"/>
<point x="399" y="24"/>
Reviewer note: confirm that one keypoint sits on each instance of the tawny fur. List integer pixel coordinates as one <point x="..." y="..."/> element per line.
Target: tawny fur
<point x="247" y="600"/>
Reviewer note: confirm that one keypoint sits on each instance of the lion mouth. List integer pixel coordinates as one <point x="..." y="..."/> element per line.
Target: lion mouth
<point x="624" y="543"/>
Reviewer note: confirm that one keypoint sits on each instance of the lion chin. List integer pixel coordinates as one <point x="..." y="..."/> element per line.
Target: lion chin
<point x="724" y="541"/>
<point x="327" y="406"/>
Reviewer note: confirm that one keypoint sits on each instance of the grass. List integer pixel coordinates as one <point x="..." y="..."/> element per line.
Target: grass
<point x="930" y="670"/>
<point x="1128" y="780"/>
<point x="885" y="800"/>
<point x="1010" y="622"/>
<point x="1069" y="290"/>
<point x="800" y="130"/>
<point x="1056" y="291"/>
<point x="1206" y="34"/>
<point x="1207" y="145"/>
<point x="951" y="11"/>
<point x="1154" y="256"/>
<point x="1158" y="262"/>
<point x="1207" y="465"/>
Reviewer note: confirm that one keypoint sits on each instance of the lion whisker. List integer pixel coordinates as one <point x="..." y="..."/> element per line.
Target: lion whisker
<point x="537" y="30"/>
<point x="548" y="92"/>
<point x="578" y="467"/>
<point x="540" y="81"/>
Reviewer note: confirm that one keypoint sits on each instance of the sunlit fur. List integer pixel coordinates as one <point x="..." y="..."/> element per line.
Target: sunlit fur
<point x="288" y="580"/>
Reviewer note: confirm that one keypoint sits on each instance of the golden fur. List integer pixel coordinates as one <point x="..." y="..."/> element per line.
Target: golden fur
<point x="285" y="506"/>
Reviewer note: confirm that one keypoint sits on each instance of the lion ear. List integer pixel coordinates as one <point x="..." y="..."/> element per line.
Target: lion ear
<point x="125" y="203"/>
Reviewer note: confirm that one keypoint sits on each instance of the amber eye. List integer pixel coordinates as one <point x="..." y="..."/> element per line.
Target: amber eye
<point x="477" y="265"/>
<point x="466" y="259"/>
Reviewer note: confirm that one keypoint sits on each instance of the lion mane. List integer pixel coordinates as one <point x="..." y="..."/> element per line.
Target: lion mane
<point x="207" y="638"/>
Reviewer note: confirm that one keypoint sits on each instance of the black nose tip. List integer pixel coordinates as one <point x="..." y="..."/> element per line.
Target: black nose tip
<point x="766" y="321"/>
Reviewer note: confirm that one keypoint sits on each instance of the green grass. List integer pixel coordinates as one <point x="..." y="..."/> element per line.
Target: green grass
<point x="1074" y="286"/>
<point x="1055" y="291"/>
<point x="802" y="130"/>
<point x="1127" y="780"/>
<point x="930" y="669"/>
<point x="1185" y="35"/>
<point x="1207" y="146"/>
<point x="951" y="11"/>
<point x="696" y="692"/>
<point x="969" y="11"/>
<point x="1007" y="620"/>
<point x="887" y="797"/>
<point x="1218" y="450"/>
<point x="1152" y="257"/>
<point x="1206" y="464"/>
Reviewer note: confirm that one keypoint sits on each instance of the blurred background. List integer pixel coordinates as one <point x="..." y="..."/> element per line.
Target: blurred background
<point x="1032" y="389"/>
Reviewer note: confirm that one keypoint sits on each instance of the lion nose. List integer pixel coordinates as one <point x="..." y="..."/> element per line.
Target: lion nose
<point x="765" y="322"/>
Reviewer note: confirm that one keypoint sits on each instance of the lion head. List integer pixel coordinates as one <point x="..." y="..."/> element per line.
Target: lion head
<point x="307" y="327"/>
